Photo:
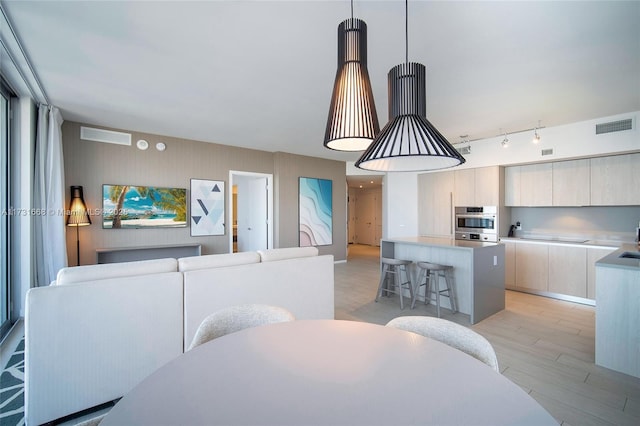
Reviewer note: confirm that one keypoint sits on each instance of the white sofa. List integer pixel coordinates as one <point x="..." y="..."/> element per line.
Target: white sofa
<point x="98" y="330"/>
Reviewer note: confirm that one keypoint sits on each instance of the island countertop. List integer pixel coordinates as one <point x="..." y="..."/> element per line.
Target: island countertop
<point x="626" y="257"/>
<point x="440" y="241"/>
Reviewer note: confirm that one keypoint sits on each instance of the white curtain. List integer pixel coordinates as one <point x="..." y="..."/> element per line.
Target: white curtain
<point x="48" y="197"/>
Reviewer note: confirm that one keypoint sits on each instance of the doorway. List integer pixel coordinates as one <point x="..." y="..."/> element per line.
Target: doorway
<point x="251" y="210"/>
<point x="365" y="211"/>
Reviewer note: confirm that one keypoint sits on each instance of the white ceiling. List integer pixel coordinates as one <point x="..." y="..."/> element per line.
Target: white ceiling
<point x="259" y="74"/>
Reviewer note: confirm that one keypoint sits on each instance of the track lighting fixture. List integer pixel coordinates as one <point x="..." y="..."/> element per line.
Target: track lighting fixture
<point x="505" y="141"/>
<point x="536" y="136"/>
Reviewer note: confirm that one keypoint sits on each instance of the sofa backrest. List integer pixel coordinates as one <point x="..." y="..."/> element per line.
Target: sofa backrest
<point x="217" y="261"/>
<point x="79" y="274"/>
<point x="272" y="255"/>
<point x="90" y="343"/>
<point x="304" y="286"/>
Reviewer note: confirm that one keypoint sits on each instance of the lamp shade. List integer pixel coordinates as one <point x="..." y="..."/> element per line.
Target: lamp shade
<point x="353" y="122"/>
<point x="77" y="215"/>
<point x="409" y="142"/>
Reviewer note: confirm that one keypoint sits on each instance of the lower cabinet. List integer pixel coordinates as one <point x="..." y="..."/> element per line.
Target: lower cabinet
<point x="532" y="266"/>
<point x="552" y="268"/>
<point x="568" y="270"/>
<point x="509" y="264"/>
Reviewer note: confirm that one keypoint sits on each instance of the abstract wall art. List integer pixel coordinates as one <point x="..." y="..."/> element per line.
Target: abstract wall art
<point x="315" y="212"/>
<point x="207" y="207"/>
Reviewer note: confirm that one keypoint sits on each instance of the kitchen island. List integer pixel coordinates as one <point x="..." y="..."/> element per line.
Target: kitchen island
<point x="478" y="269"/>
<point x="617" y="312"/>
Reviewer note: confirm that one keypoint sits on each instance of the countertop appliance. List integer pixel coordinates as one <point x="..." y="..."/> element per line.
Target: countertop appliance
<point x="476" y="223"/>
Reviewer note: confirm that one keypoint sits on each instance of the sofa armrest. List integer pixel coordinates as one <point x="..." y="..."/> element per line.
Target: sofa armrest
<point x="90" y="343"/>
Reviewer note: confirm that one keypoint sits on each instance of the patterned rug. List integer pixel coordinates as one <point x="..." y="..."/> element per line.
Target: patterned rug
<point x="12" y="389"/>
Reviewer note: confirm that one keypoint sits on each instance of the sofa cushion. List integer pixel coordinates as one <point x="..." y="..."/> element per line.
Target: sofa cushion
<point x="272" y="255"/>
<point x="78" y="274"/>
<point x="217" y="261"/>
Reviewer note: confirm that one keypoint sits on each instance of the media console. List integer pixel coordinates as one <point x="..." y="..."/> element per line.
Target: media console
<point x="130" y="254"/>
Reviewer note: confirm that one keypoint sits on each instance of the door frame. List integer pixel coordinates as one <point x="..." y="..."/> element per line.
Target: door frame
<point x="269" y="177"/>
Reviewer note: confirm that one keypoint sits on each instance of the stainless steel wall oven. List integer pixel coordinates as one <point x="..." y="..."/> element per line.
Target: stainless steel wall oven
<point x="476" y="223"/>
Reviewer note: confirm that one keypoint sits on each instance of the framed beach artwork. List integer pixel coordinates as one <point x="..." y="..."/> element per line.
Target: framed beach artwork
<point x="207" y="207"/>
<point x="315" y="212"/>
<point x="130" y="206"/>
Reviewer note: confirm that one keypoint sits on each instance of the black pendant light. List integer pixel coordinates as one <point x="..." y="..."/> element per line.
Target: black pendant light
<point x="409" y="142"/>
<point x="353" y="121"/>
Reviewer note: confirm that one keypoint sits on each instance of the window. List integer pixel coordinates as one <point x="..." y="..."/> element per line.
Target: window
<point x="5" y="216"/>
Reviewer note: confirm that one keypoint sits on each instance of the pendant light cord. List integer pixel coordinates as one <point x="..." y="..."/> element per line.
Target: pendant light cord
<point x="406" y="32"/>
<point x="351" y="10"/>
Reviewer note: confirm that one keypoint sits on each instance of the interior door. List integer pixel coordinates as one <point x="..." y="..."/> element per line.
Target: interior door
<point x="252" y="214"/>
<point x="365" y="219"/>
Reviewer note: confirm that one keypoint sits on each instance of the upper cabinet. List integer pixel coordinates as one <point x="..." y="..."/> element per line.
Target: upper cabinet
<point x="603" y="181"/>
<point x="477" y="187"/>
<point x="529" y="185"/>
<point x="571" y="183"/>
<point x="615" y="180"/>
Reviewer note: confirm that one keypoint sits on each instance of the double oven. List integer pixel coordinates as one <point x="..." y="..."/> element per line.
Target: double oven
<point x="476" y="223"/>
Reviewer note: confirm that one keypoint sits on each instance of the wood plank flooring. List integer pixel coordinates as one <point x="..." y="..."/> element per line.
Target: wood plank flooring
<point x="546" y="346"/>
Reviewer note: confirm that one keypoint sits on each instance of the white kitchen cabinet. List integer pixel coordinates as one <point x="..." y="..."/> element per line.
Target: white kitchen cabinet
<point x="532" y="266"/>
<point x="615" y="180"/>
<point x="465" y="187"/>
<point x="536" y="185"/>
<point x="477" y="187"/>
<point x="512" y="186"/>
<point x="509" y="264"/>
<point x="488" y="186"/>
<point x="593" y="255"/>
<point x="435" y="204"/>
<point x="568" y="270"/>
<point x="571" y="183"/>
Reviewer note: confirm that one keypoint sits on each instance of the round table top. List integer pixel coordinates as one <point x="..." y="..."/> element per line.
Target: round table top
<point x="326" y="372"/>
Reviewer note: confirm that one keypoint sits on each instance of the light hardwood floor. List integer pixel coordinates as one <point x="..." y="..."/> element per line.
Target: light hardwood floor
<point x="546" y="346"/>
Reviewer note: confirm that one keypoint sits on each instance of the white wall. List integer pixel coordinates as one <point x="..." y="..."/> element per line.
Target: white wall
<point x="400" y="205"/>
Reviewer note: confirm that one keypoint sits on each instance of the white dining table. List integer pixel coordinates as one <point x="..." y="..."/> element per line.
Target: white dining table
<point x="326" y="372"/>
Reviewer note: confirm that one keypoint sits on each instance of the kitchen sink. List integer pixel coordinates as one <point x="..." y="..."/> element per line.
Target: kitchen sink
<point x="630" y="255"/>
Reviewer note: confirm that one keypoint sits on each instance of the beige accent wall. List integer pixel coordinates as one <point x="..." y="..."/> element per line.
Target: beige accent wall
<point x="92" y="164"/>
<point x="290" y="168"/>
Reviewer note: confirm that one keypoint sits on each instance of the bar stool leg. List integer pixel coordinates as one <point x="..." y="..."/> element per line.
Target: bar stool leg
<point x="450" y="292"/>
<point x="416" y="290"/>
<point x="398" y="283"/>
<point x="383" y="277"/>
<point x="407" y="274"/>
<point x="437" y="286"/>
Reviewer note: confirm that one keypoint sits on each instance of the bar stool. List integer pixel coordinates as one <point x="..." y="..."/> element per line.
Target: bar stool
<point x="431" y="273"/>
<point x="393" y="267"/>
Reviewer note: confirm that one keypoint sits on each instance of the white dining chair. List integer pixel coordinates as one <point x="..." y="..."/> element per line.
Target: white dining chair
<point x="236" y="318"/>
<point x="451" y="334"/>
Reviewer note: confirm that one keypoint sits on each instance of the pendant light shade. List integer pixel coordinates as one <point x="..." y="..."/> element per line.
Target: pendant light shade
<point x="353" y="122"/>
<point x="409" y="142"/>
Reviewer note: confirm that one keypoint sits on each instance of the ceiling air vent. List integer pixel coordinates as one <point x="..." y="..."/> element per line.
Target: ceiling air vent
<point x="614" y="126"/>
<point x="547" y="151"/>
<point x="464" y="150"/>
<point x="106" y="136"/>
